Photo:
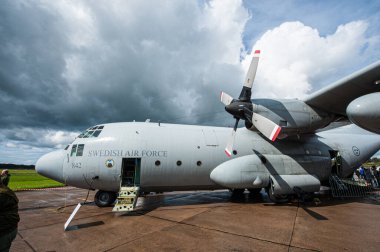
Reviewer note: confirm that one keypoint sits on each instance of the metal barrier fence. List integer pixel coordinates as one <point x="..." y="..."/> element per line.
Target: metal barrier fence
<point x="348" y="188"/>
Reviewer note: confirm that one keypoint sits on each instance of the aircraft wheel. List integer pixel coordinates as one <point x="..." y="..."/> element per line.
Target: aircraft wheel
<point x="276" y="198"/>
<point x="104" y="199"/>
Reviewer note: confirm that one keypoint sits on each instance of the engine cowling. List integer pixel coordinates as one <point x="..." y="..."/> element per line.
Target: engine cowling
<point x="293" y="116"/>
<point x="243" y="172"/>
<point x="364" y="112"/>
<point x="283" y="172"/>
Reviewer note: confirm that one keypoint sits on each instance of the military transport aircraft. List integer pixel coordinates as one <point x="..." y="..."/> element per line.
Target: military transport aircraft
<point x="284" y="146"/>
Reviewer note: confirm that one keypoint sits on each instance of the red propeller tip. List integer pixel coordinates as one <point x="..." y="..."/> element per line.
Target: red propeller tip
<point x="228" y="153"/>
<point x="275" y="133"/>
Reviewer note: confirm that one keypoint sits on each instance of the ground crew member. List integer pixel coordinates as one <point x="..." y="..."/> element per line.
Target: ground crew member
<point x="9" y="217"/>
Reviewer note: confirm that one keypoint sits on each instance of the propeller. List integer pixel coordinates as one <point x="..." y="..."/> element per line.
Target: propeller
<point x="242" y="108"/>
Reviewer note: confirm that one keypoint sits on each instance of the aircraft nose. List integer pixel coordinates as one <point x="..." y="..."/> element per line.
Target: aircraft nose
<point x="51" y="165"/>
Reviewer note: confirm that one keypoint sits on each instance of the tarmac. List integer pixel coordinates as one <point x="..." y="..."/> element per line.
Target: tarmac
<point x="196" y="221"/>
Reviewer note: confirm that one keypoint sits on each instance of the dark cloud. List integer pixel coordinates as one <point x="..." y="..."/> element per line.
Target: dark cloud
<point x="71" y="65"/>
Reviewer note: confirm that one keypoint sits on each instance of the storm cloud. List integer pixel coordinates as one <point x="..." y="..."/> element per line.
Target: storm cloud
<point x="75" y="64"/>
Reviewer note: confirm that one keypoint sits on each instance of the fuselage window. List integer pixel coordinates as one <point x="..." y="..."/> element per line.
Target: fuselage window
<point x="199" y="163"/>
<point x="80" y="150"/>
<point x="179" y="163"/>
<point x="73" y="150"/>
<point x="157" y="163"/>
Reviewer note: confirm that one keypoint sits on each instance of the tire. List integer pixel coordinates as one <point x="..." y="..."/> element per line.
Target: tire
<point x="104" y="199"/>
<point x="276" y="198"/>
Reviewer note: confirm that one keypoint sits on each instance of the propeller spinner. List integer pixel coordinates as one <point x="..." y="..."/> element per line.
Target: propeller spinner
<point x="242" y="108"/>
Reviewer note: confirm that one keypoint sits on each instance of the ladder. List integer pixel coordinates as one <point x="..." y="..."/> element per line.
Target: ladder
<point x="126" y="199"/>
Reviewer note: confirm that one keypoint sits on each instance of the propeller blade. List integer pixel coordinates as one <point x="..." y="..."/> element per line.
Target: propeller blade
<point x="231" y="140"/>
<point x="252" y="70"/>
<point x="230" y="144"/>
<point x="226" y="99"/>
<point x="246" y="92"/>
<point x="268" y="128"/>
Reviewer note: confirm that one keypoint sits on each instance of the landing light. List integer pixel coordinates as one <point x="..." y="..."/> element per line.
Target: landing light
<point x="377" y="82"/>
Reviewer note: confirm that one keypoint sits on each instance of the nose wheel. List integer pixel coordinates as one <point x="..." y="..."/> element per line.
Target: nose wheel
<point x="104" y="198"/>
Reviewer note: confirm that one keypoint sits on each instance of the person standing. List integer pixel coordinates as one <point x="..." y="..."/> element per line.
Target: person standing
<point x="9" y="217"/>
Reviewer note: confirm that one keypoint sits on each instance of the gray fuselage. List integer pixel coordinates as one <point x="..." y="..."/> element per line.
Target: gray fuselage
<point x="182" y="157"/>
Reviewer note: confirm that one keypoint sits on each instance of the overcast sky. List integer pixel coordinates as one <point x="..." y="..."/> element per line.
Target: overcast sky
<point x="68" y="65"/>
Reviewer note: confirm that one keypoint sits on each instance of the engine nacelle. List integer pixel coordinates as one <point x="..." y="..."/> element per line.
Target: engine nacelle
<point x="285" y="184"/>
<point x="294" y="116"/>
<point x="258" y="171"/>
<point x="243" y="172"/>
<point x="365" y="112"/>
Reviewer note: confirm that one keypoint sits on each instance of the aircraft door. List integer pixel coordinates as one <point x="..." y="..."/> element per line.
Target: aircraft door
<point x="130" y="172"/>
<point x="336" y="162"/>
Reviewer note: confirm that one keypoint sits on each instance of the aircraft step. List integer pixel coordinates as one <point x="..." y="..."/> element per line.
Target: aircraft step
<point x="126" y="199"/>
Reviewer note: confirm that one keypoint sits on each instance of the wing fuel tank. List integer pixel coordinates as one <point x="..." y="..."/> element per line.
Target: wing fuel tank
<point x="364" y="112"/>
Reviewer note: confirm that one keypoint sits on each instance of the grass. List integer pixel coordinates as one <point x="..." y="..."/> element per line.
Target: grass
<point x="29" y="179"/>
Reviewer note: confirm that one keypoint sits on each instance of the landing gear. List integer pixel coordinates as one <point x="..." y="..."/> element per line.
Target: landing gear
<point x="104" y="199"/>
<point x="276" y="198"/>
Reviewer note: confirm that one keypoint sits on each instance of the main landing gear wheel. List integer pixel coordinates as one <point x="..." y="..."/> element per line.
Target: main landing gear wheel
<point x="105" y="199"/>
<point x="276" y="198"/>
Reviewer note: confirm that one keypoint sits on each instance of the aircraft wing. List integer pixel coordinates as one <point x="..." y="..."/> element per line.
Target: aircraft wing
<point x="336" y="97"/>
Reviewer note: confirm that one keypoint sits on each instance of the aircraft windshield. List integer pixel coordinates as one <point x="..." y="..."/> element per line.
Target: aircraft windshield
<point x="91" y="132"/>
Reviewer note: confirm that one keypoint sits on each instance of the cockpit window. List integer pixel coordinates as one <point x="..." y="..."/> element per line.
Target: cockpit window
<point x="91" y="132"/>
<point x="88" y="134"/>
<point x="80" y="150"/>
<point x="77" y="150"/>
<point x="96" y="133"/>
<point x="67" y="147"/>
<point x="73" y="150"/>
